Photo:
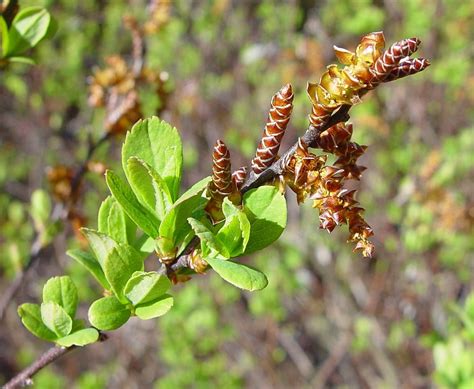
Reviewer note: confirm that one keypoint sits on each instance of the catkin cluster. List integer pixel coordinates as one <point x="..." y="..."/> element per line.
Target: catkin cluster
<point x="305" y="172"/>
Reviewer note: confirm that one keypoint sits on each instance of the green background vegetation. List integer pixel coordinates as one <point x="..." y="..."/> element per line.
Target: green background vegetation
<point x="402" y="319"/>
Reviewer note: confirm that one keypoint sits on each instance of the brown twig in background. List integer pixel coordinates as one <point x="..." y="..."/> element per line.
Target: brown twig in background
<point x="60" y="213"/>
<point x="8" y="295"/>
<point x="332" y="362"/>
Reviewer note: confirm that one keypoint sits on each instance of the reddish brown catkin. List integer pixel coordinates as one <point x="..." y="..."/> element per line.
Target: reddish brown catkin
<point x="407" y="68"/>
<point x="319" y="115"/>
<point x="278" y="118"/>
<point x="391" y="58"/>
<point x="335" y="138"/>
<point x="239" y="176"/>
<point x="221" y="176"/>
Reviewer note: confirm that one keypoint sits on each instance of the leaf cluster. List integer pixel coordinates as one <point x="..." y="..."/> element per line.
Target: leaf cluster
<point x="145" y="213"/>
<point x="54" y="320"/>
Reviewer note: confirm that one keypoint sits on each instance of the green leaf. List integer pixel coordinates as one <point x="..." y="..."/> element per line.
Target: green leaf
<point x="28" y="28"/>
<point x="229" y="209"/>
<point x="196" y="189"/>
<point x="144" y="287"/>
<point x="101" y="244"/>
<point x="4" y="31"/>
<point x="30" y="315"/>
<point x="119" y="266"/>
<point x="154" y="308"/>
<point x="114" y="222"/>
<point x="159" y="145"/>
<point x="145" y="244"/>
<point x="175" y="228"/>
<point x="231" y="237"/>
<point x="79" y="338"/>
<point x="56" y="318"/>
<point x="150" y="188"/>
<point x="207" y="236"/>
<point x="90" y="263"/>
<point x="108" y="313"/>
<point x="242" y="276"/>
<point x="118" y="261"/>
<point x="78" y="324"/>
<point x="142" y="217"/>
<point x="265" y="208"/>
<point x="62" y="291"/>
<point x="235" y="233"/>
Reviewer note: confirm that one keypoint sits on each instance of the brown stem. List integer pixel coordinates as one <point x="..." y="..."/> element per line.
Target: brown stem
<point x="54" y="353"/>
<point x="310" y="138"/>
<point x="24" y="377"/>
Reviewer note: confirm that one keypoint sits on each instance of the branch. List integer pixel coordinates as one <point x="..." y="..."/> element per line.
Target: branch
<point x="310" y="137"/>
<point x="24" y="377"/>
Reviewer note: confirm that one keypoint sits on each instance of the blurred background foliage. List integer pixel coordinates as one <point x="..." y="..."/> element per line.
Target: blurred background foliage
<point x="328" y="317"/>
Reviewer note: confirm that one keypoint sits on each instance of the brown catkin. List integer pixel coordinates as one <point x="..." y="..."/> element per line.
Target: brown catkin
<point x="320" y="115"/>
<point x="239" y="176"/>
<point x="391" y="58"/>
<point x="407" y="68"/>
<point x="278" y="118"/>
<point x="221" y="176"/>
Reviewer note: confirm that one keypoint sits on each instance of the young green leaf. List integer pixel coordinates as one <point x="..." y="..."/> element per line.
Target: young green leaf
<point x="79" y="338"/>
<point x="114" y="222"/>
<point x="159" y="145"/>
<point x="229" y="209"/>
<point x="235" y="232"/>
<point x="119" y="266"/>
<point x="184" y="241"/>
<point x="145" y="244"/>
<point x="207" y="236"/>
<point x="4" y="31"/>
<point x="101" y="244"/>
<point x="154" y="308"/>
<point x="78" y="324"/>
<point x="265" y="208"/>
<point x="30" y="315"/>
<point x="231" y="237"/>
<point x="142" y="217"/>
<point x="56" y="319"/>
<point x="150" y="189"/>
<point x="144" y="287"/>
<point x="174" y="226"/>
<point x="196" y="189"/>
<point x="90" y="263"/>
<point x="62" y="291"/>
<point x="28" y="28"/>
<point x="108" y="313"/>
<point x="242" y="276"/>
